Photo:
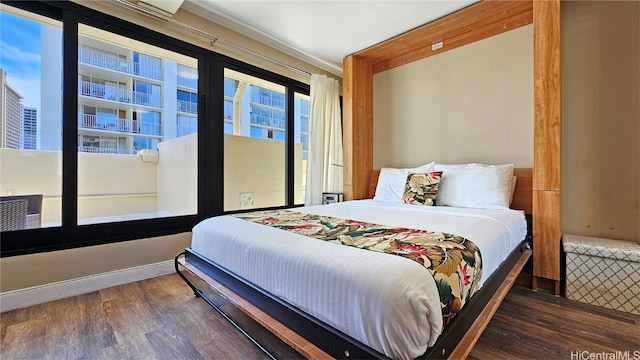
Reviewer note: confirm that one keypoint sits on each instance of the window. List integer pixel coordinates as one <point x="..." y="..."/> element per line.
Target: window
<point x="187" y="102"/>
<point x="187" y="77"/>
<point x="147" y="66"/>
<point x="140" y="143"/>
<point x="146" y="94"/>
<point x="31" y="139"/>
<point x="230" y="91"/>
<point x="187" y="125"/>
<point x="254" y="162"/>
<point x="135" y="165"/>
<point x="147" y="122"/>
<point x="113" y="185"/>
<point x="301" y="116"/>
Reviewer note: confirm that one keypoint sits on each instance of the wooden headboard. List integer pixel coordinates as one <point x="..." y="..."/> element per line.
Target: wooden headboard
<point x="522" y="197"/>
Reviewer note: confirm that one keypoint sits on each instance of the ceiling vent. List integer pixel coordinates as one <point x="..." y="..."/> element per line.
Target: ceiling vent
<point x="166" y="7"/>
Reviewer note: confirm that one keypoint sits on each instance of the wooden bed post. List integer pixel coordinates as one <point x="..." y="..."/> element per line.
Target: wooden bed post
<point x="357" y="126"/>
<point x="547" y="226"/>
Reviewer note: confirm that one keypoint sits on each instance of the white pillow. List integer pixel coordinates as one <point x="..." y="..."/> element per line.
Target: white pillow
<point x="475" y="185"/>
<point x="392" y="180"/>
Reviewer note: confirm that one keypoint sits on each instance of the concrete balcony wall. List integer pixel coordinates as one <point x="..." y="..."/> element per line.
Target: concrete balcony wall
<point x="252" y="166"/>
<point x="257" y="166"/>
<point x="177" y="175"/>
<point x="25" y="172"/>
<point x="115" y="185"/>
<point x="108" y="184"/>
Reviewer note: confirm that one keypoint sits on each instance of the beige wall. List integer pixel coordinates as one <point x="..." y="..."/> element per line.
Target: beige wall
<point x="42" y="165"/>
<point x="257" y="166"/>
<point x="470" y="104"/>
<point x="251" y="165"/>
<point x="178" y="175"/>
<point x="107" y="183"/>
<point x="601" y="118"/>
<point x="19" y="272"/>
<point x="110" y="184"/>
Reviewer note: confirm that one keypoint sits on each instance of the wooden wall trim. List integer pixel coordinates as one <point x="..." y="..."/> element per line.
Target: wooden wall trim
<point x="547" y="225"/>
<point x="547" y="233"/>
<point x="473" y="23"/>
<point x="357" y="126"/>
<point x="546" y="74"/>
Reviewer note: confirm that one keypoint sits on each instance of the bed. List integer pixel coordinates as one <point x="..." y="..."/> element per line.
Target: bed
<point x="356" y="303"/>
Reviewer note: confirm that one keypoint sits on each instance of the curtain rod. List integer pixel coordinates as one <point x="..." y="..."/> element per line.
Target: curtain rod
<point x="213" y="39"/>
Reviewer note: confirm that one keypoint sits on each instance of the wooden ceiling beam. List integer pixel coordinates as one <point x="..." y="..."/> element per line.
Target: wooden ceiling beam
<point x="473" y="23"/>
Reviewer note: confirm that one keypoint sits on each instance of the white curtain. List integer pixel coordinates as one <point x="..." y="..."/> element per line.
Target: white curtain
<point x="324" y="159"/>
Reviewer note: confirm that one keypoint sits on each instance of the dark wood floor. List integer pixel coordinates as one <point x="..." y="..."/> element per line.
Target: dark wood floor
<point x="160" y="318"/>
<point x="538" y="325"/>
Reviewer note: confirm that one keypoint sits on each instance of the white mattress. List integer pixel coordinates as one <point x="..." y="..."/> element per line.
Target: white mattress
<point x="387" y="302"/>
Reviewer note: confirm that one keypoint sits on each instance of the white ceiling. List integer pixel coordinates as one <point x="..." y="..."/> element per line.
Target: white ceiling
<point x="322" y="32"/>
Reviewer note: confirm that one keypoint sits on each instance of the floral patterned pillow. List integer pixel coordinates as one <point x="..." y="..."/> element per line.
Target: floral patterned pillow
<point x="422" y="188"/>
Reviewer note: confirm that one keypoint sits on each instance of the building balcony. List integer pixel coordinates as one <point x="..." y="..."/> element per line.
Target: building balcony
<point x="111" y="93"/>
<point x="127" y="126"/>
<point x="89" y="121"/>
<point x="272" y="102"/>
<point x="105" y="60"/>
<point x="106" y="150"/>
<point x="187" y="106"/>
<point x="268" y="122"/>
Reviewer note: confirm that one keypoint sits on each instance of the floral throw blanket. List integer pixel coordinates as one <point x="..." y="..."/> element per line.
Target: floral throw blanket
<point x="454" y="262"/>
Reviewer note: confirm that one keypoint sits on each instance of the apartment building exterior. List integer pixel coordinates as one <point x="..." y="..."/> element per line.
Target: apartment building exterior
<point x="265" y="109"/>
<point x="129" y="101"/>
<point x="29" y="128"/>
<point x="121" y="107"/>
<point x="10" y="114"/>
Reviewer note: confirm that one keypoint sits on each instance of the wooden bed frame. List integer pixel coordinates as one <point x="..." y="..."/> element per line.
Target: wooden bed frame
<point x="478" y="21"/>
<point x="316" y="340"/>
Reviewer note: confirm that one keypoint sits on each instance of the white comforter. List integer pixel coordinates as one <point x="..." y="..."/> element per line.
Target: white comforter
<point x="387" y="302"/>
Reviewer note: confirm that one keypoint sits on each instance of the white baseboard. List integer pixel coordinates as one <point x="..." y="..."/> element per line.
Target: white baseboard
<point x="21" y="298"/>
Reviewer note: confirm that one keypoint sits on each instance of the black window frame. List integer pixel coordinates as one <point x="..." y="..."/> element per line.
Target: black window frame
<point x="210" y="179"/>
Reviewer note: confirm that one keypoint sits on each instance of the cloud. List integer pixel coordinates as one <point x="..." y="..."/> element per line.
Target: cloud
<point x="13" y="53"/>
<point x="20" y="46"/>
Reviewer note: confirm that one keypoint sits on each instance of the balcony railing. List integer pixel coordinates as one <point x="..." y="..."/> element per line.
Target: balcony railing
<point x="187" y="106"/>
<point x="90" y="121"/>
<point x="273" y="102"/>
<point x="150" y="129"/>
<point x="95" y="57"/>
<point x="269" y="122"/>
<point x="113" y="93"/>
<point x="106" y="150"/>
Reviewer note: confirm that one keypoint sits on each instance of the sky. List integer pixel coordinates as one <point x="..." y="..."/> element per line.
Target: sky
<point x="20" y="56"/>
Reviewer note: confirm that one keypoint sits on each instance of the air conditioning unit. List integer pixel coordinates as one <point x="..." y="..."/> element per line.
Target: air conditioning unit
<point x="168" y="7"/>
<point x="148" y="155"/>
